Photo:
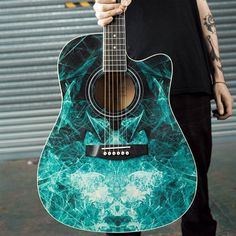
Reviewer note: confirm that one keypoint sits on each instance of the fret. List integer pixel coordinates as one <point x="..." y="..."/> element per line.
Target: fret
<point x="116" y="25"/>
<point x="116" y="49"/>
<point x="115" y="39"/>
<point x="119" y="29"/>
<point x="114" y="58"/>
<point x="113" y="36"/>
<point x="113" y="52"/>
<point x="121" y="62"/>
<point x="112" y="65"/>
<point x="115" y="44"/>
<point x="115" y="32"/>
<point x="118" y="55"/>
<point x="115" y="68"/>
<point x="115" y="55"/>
<point x="117" y="63"/>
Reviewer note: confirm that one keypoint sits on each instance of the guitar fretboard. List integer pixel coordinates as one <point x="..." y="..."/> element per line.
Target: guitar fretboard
<point x="114" y="45"/>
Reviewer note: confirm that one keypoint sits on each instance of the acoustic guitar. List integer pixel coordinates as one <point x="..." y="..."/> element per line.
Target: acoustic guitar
<point x="116" y="159"/>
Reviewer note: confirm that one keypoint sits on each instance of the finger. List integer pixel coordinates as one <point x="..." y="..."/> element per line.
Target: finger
<point x="105" y="21"/>
<point x="107" y="14"/>
<point x="219" y="105"/>
<point x="105" y="7"/>
<point x="228" y="109"/>
<point x="125" y="3"/>
<point x="228" y="112"/>
<point x="105" y="1"/>
<point x="123" y="8"/>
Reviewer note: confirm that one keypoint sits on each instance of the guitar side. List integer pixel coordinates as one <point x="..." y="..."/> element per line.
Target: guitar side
<point x="100" y="195"/>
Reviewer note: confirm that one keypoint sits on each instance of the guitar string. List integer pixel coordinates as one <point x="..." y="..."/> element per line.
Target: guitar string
<point x="120" y="70"/>
<point x="125" y="80"/>
<point x="112" y="83"/>
<point x="108" y="74"/>
<point x="117" y="82"/>
<point x="105" y="87"/>
<point x="122" y="74"/>
<point x="121" y="85"/>
<point x="117" y="73"/>
<point x="120" y="77"/>
<point x="120" y="80"/>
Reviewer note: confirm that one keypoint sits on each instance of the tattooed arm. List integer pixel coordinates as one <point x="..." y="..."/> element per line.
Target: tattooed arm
<point x="209" y="31"/>
<point x="222" y="95"/>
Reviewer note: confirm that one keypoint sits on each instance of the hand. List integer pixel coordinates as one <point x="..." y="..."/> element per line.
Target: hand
<point x="224" y="101"/>
<point x="106" y="9"/>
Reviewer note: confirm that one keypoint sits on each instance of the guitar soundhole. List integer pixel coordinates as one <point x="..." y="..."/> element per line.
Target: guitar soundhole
<point x="114" y="93"/>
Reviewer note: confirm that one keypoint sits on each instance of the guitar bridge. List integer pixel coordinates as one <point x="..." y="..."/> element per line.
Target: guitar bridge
<point x="117" y="152"/>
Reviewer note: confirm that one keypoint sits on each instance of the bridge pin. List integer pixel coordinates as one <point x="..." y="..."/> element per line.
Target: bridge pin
<point x="104" y="153"/>
<point x="122" y="153"/>
<point x="118" y="153"/>
<point x="109" y="153"/>
<point x="113" y="153"/>
<point x="127" y="153"/>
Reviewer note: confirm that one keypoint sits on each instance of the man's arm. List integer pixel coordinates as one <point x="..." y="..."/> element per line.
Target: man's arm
<point x="223" y="98"/>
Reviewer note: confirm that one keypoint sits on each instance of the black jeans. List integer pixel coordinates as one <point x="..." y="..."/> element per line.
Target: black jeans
<point x="193" y="113"/>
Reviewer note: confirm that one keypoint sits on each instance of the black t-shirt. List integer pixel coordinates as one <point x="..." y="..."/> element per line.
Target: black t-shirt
<point x="172" y="27"/>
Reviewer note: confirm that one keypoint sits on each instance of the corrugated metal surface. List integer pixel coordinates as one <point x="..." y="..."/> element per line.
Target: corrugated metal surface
<point x="32" y="32"/>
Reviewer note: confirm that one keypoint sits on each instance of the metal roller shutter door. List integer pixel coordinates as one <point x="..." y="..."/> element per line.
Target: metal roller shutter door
<point x="32" y="32"/>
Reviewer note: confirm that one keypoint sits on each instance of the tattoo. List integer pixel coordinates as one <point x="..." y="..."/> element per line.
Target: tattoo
<point x="210" y="23"/>
<point x="211" y="38"/>
<point x="213" y="54"/>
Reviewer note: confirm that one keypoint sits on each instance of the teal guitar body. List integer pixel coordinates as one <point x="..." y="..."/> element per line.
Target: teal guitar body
<point x="122" y="169"/>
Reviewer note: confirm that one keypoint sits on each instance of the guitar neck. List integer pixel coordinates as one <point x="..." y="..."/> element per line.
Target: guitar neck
<point x="114" y="45"/>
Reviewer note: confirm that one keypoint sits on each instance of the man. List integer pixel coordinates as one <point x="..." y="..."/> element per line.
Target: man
<point x="185" y="30"/>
